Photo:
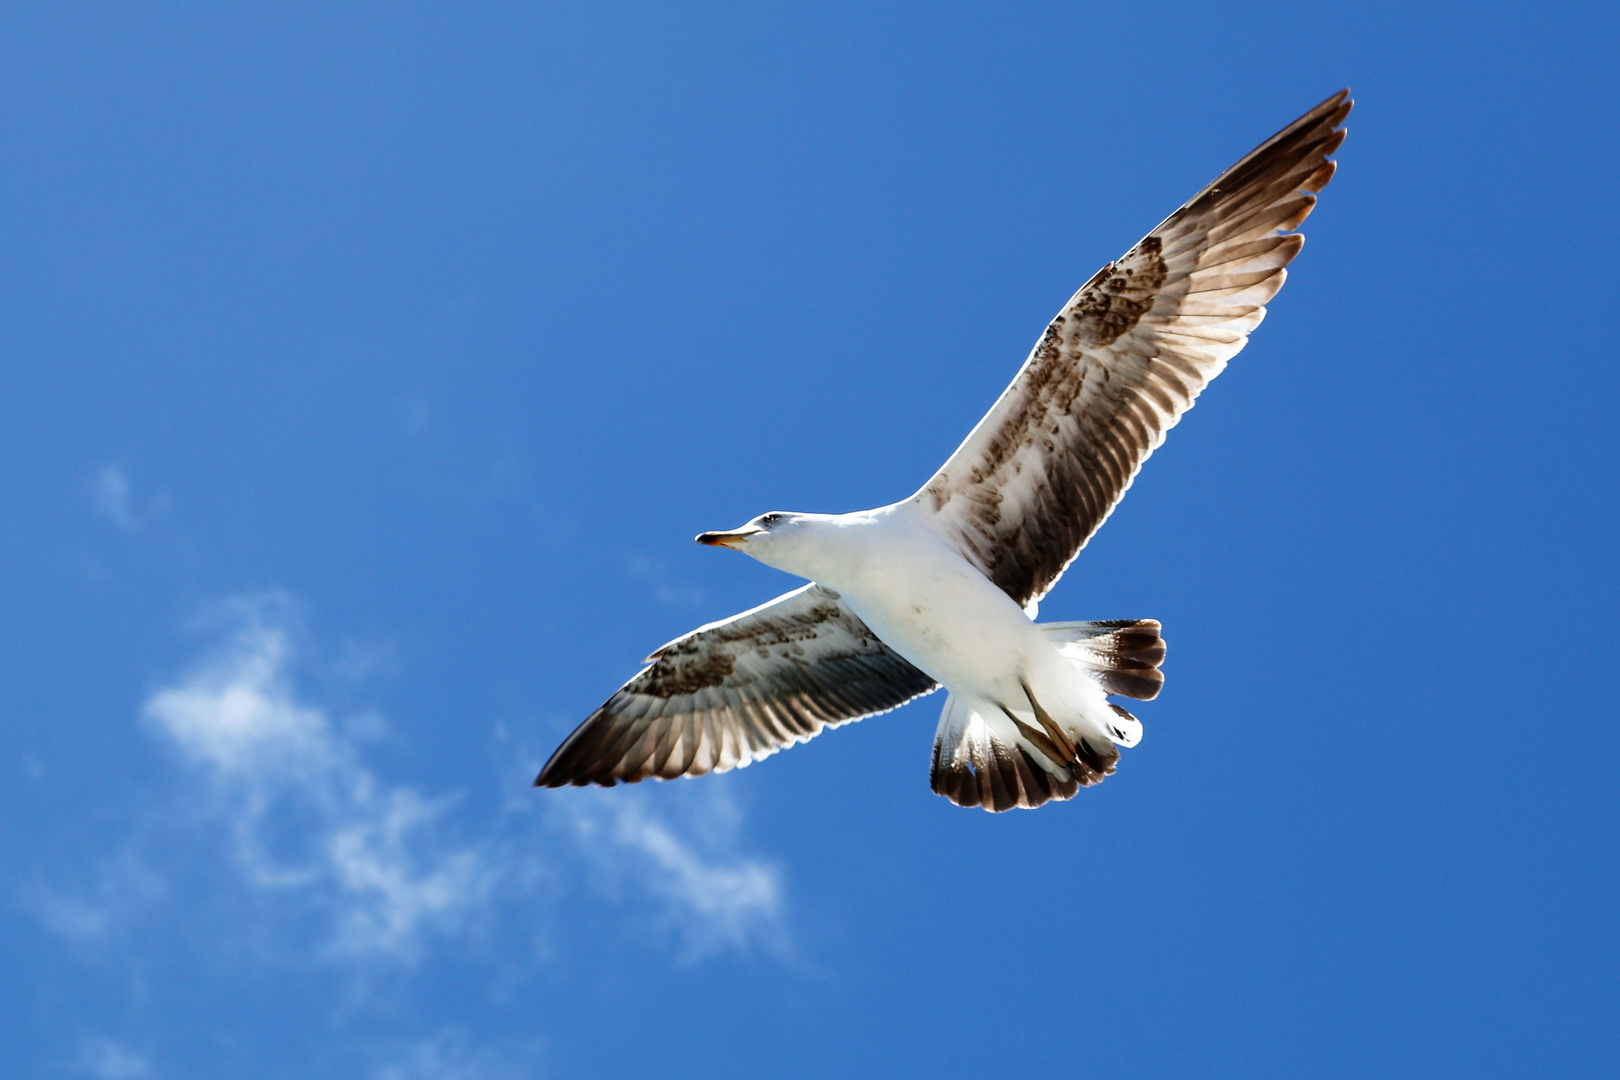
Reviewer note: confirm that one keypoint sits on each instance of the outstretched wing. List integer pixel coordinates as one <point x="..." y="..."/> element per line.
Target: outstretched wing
<point x="738" y="690"/>
<point x="1120" y="364"/>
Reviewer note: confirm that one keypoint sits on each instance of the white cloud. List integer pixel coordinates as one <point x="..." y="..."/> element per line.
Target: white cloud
<point x="452" y="1055"/>
<point x="277" y="848"/>
<point x="115" y="501"/>
<point x="71" y="917"/>
<point x="666" y="588"/>
<point x="687" y="859"/>
<point x="125" y="885"/>
<point x="112" y="498"/>
<point x="307" y="825"/>
<point x="235" y="715"/>
<point x="304" y="814"/>
<point x="107" y="1060"/>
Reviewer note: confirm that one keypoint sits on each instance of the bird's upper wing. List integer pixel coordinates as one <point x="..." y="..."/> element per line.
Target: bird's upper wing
<point x="1123" y="360"/>
<point x="738" y="690"/>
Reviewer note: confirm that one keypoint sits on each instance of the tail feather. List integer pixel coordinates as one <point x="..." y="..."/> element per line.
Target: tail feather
<point x="1001" y="756"/>
<point x="1121" y="655"/>
<point x="977" y="763"/>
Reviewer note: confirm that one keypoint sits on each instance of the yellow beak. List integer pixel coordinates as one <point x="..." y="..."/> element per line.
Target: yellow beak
<point x="733" y="540"/>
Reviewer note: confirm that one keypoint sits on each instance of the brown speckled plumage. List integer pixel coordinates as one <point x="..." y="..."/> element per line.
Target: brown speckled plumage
<point x="1124" y="359"/>
<point x="735" y="691"/>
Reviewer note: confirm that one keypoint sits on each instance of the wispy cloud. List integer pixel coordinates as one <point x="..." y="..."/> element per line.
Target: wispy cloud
<point x="686" y="857"/>
<point x="666" y="588"/>
<point x="112" y="498"/>
<point x="115" y="500"/>
<point x="309" y="825"/>
<point x="279" y="845"/>
<point x="304" y="813"/>
<point x="124" y="886"/>
<point x="453" y="1055"/>
<point x="107" y="1060"/>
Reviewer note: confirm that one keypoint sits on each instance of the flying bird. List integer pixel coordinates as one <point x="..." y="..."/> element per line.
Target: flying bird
<point x="940" y="589"/>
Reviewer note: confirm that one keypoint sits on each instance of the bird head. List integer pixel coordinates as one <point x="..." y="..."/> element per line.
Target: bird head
<point x="778" y="539"/>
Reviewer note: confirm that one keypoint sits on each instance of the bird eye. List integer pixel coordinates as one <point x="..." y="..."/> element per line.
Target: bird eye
<point x="770" y="519"/>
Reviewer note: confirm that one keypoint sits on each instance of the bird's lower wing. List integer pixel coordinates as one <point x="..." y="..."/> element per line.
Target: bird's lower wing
<point x="1123" y="360"/>
<point x="738" y="690"/>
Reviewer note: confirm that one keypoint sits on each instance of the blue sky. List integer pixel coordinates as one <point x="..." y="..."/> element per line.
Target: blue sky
<point x="368" y="368"/>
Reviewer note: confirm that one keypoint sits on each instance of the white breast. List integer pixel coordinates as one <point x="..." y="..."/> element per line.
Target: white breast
<point x="933" y="607"/>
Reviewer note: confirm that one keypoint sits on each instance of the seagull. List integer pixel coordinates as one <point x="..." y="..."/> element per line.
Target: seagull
<point x="941" y="589"/>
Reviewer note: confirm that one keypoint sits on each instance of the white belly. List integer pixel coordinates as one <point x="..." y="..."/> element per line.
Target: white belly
<point x="933" y="607"/>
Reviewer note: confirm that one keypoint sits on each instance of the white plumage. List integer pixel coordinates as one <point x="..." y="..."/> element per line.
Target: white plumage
<point x="940" y="589"/>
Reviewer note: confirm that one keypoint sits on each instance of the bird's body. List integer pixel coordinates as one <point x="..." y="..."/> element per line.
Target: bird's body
<point x="941" y="589"/>
<point x="917" y="593"/>
<point x="939" y="612"/>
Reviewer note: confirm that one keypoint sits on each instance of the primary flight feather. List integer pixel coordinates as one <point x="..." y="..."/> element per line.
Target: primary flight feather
<point x="941" y="588"/>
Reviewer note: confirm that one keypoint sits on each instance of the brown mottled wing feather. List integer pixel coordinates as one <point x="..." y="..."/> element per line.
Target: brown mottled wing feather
<point x="1123" y="360"/>
<point x="738" y="690"/>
